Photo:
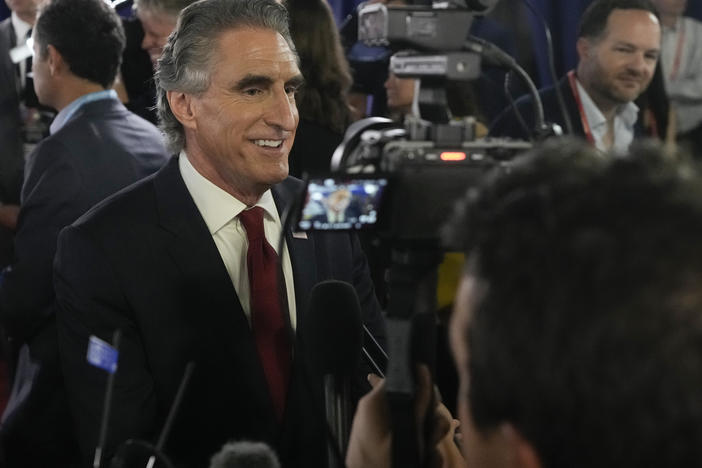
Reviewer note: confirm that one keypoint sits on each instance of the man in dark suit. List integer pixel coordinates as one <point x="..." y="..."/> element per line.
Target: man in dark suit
<point x="21" y="123"/>
<point x="96" y="148"/>
<point x="618" y="46"/>
<point x="176" y="261"/>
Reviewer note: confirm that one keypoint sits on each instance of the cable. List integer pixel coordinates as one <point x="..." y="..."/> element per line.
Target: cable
<point x="552" y="66"/>
<point x="496" y="56"/>
<point x="513" y="105"/>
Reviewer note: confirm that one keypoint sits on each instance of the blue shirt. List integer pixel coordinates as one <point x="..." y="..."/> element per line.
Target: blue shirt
<point x="68" y="111"/>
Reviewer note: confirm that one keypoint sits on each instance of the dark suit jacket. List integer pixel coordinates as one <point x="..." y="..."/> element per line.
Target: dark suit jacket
<point x="11" y="151"/>
<point x="100" y="150"/>
<point x="507" y="124"/>
<point x="11" y="160"/>
<point x="144" y="262"/>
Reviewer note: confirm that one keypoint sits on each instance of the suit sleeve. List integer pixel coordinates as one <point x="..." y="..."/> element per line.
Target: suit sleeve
<point x="90" y="302"/>
<point x="26" y="291"/>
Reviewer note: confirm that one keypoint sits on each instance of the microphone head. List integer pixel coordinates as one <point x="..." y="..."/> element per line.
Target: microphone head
<point x="332" y="329"/>
<point x="245" y="454"/>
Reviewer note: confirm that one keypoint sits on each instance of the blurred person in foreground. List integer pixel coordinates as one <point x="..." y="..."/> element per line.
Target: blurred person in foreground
<point x="576" y="329"/>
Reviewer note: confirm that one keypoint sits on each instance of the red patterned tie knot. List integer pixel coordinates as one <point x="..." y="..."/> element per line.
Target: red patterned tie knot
<point x="252" y="219"/>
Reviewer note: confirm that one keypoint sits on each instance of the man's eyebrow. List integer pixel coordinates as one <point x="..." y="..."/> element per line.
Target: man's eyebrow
<point x="263" y="81"/>
<point x="253" y="80"/>
<point x="296" y="81"/>
<point x="626" y="43"/>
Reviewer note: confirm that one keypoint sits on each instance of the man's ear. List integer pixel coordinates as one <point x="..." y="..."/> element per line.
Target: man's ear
<point x="584" y="48"/>
<point x="182" y="107"/>
<point x="522" y="453"/>
<point x="54" y="60"/>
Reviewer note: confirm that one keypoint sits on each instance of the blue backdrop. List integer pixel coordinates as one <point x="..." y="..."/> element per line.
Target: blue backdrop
<point x="561" y="16"/>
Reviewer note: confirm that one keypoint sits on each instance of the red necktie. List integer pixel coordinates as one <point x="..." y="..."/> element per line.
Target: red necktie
<point x="267" y="320"/>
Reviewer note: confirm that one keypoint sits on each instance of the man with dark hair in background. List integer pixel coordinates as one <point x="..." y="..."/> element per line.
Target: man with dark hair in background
<point x="188" y="263"/>
<point x="96" y="147"/>
<point x="576" y="328"/>
<point x="618" y="47"/>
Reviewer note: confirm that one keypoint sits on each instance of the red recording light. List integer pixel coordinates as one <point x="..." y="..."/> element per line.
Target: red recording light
<point x="453" y="156"/>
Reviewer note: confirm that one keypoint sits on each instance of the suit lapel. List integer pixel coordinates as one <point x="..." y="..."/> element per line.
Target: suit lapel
<point x="188" y="241"/>
<point x="302" y="253"/>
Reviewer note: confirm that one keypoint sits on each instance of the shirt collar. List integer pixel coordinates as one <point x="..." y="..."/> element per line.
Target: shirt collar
<point x="217" y="206"/>
<point x="67" y="112"/>
<point x="21" y="28"/>
<point x="627" y="112"/>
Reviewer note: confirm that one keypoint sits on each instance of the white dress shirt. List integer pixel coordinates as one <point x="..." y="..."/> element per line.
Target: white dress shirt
<point x="220" y="211"/>
<point x="624" y="121"/>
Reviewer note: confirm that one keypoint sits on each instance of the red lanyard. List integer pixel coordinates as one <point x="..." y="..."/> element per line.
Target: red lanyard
<point x="678" y="50"/>
<point x="583" y="116"/>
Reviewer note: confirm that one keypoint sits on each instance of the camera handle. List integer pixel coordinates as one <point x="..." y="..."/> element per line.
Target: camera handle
<point x="412" y="283"/>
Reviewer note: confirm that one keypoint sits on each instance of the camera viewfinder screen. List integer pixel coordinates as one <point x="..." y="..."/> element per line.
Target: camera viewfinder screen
<point x="351" y="204"/>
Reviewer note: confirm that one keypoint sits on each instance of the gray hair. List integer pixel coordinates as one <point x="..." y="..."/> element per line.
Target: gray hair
<point x="186" y="62"/>
<point x="171" y="8"/>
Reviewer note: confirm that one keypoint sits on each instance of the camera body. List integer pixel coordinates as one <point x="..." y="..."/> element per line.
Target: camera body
<point x="431" y="159"/>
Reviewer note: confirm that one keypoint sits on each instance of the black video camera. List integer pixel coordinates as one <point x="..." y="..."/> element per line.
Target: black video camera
<point x="402" y="178"/>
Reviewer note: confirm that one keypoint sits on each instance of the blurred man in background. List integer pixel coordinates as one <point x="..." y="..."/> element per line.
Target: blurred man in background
<point x="618" y="47"/>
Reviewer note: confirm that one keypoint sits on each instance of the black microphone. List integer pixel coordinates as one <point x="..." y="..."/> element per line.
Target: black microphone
<point x="333" y="336"/>
<point x="245" y="454"/>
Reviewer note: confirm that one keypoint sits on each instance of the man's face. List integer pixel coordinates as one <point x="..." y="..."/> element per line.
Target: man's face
<point x="400" y="93"/>
<point x="245" y="122"/>
<point x="617" y="67"/>
<point x="23" y="7"/>
<point x="479" y="448"/>
<point x="670" y="7"/>
<point x="157" y="27"/>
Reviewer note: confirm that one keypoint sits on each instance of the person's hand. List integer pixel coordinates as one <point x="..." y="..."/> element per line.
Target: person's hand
<point x="369" y="443"/>
<point x="450" y="454"/>
<point x="371" y="438"/>
<point x="8" y="215"/>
